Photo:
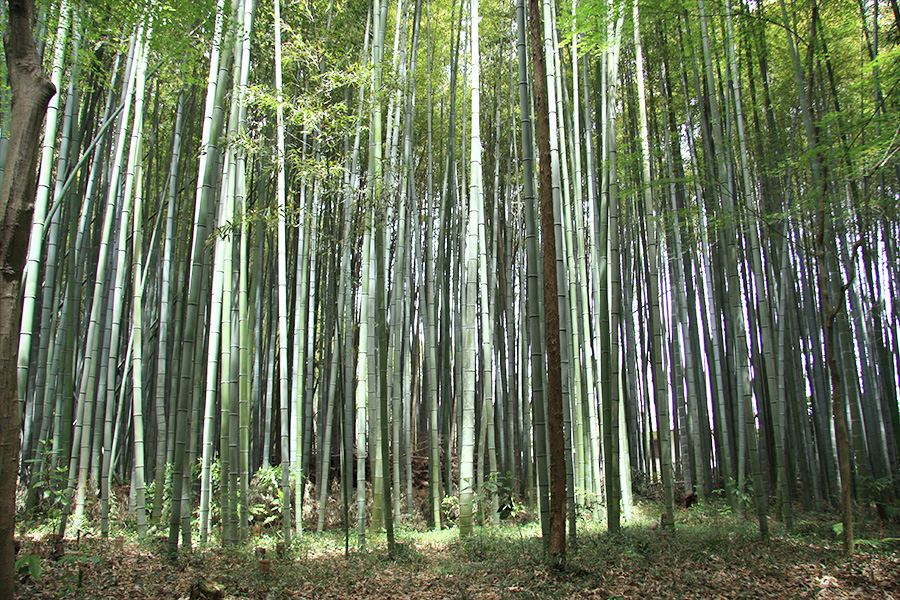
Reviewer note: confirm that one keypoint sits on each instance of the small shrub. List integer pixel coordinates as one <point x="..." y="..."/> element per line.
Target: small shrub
<point x="28" y="565"/>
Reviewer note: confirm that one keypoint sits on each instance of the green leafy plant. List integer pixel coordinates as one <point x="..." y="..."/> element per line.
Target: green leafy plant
<point x="266" y="497"/>
<point x="79" y="562"/>
<point x="28" y="565"/>
<point x="51" y="493"/>
<point x="883" y="488"/>
<point x="450" y="507"/>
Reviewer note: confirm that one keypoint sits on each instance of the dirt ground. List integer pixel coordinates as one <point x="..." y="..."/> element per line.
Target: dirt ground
<point x="707" y="557"/>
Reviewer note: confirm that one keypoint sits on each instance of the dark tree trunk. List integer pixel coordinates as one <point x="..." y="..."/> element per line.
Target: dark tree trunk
<point x="557" y="542"/>
<point x="838" y="403"/>
<point x="31" y="92"/>
<point x="841" y="430"/>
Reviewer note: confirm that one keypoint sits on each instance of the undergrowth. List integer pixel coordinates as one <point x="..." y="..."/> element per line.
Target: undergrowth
<point x="709" y="553"/>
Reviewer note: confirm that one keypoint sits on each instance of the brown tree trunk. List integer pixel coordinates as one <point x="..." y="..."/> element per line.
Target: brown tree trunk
<point x="556" y="546"/>
<point x="841" y="430"/>
<point x="838" y="409"/>
<point x="31" y="92"/>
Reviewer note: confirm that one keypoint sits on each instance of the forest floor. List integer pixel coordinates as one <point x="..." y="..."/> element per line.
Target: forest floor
<point x="710" y="555"/>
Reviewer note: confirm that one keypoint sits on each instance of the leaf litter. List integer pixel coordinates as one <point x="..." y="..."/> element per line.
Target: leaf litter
<point x="709" y="556"/>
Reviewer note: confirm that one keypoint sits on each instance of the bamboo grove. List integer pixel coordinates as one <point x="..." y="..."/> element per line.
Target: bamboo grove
<point x="301" y="241"/>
